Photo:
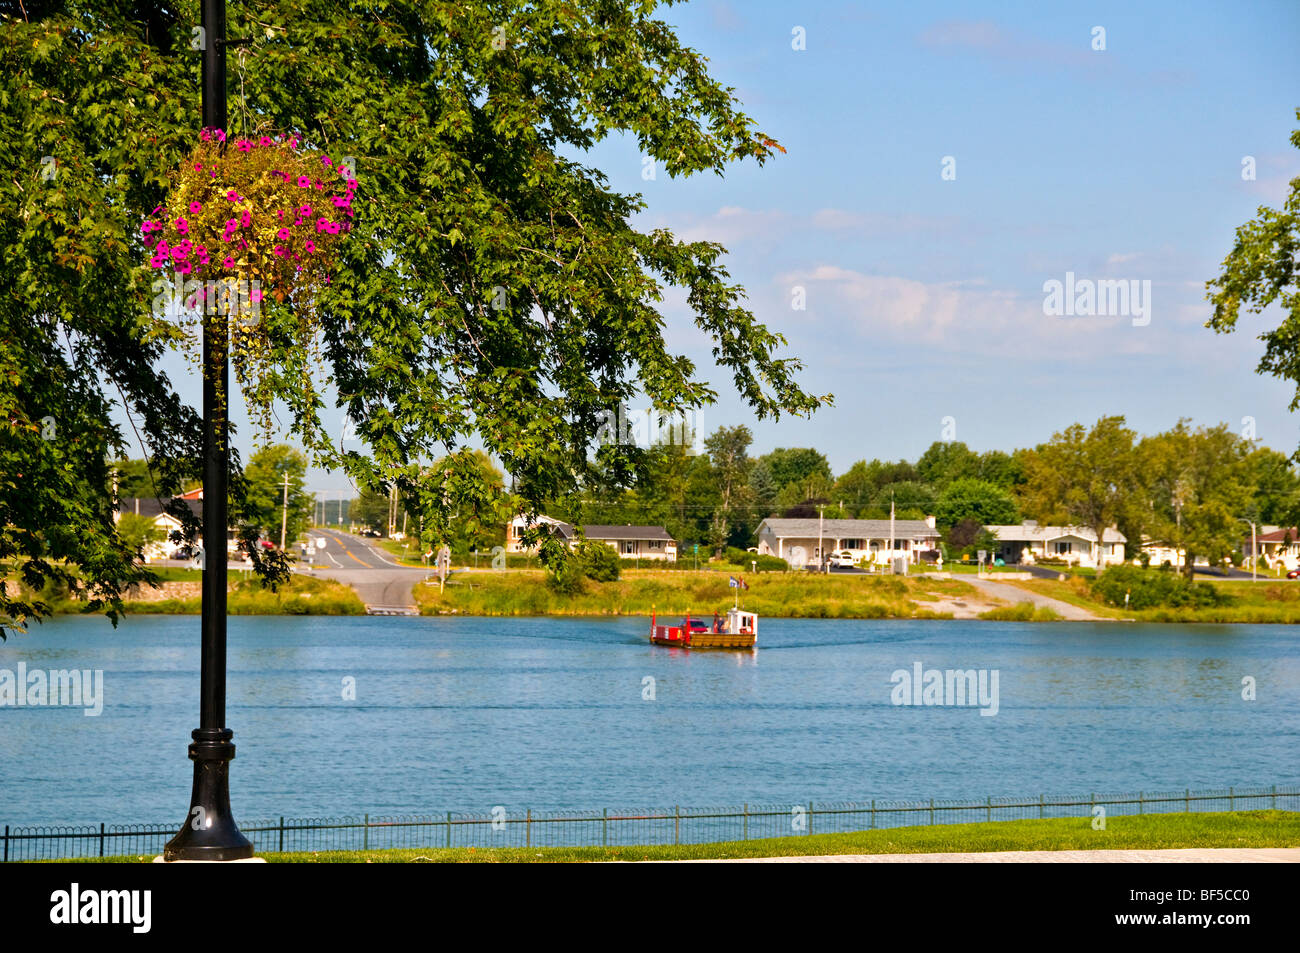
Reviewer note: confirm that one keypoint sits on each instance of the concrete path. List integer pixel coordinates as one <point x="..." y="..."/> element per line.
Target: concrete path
<point x="1196" y="855"/>
<point x="1014" y="594"/>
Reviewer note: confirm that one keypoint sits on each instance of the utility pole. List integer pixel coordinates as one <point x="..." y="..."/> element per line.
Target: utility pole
<point x="821" y="547"/>
<point x="284" y="511"/>
<point x="209" y="831"/>
<point x="891" y="531"/>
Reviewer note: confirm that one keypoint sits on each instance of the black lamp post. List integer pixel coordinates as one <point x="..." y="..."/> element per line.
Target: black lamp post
<point x="210" y="831"/>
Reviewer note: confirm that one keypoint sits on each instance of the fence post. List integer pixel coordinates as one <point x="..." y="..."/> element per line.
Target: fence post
<point x="7" y="829"/>
<point x="282" y="833"/>
<point x="101" y="838"/>
<point x="1232" y="800"/>
<point x="746" y="837"/>
<point x="1187" y="800"/>
<point x="677" y="824"/>
<point x="528" y="828"/>
<point x="810" y="816"/>
<point x="988" y="811"/>
<point x="1141" y="802"/>
<point x="449" y="830"/>
<point x="7" y="840"/>
<point x="932" y="812"/>
<point x="365" y="837"/>
<point x="604" y="827"/>
<point x="873" y="813"/>
<point x="1042" y="805"/>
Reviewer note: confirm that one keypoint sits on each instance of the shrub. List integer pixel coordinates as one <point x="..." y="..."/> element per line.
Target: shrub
<point x="598" y="561"/>
<point x="1149" y="590"/>
<point x="764" y="563"/>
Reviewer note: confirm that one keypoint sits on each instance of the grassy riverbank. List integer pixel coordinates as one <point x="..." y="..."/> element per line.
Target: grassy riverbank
<point x="302" y="595"/>
<point x="1260" y="602"/>
<point x="1141" y="832"/>
<point x="793" y="595"/>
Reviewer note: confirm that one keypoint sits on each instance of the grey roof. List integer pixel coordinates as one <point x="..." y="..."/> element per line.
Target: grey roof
<point x="627" y="532"/>
<point x="1036" y="533"/>
<point x="152" y="506"/>
<point x="848" y="529"/>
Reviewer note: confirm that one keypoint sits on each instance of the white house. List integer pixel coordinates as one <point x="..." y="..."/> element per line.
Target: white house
<point x="630" y="542"/>
<point x="802" y="542"/>
<point x="152" y="508"/>
<point x="1028" y="542"/>
<point x="1276" y="544"/>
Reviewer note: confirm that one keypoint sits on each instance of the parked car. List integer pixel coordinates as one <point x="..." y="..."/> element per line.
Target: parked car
<point x="844" y="558"/>
<point x="1293" y="574"/>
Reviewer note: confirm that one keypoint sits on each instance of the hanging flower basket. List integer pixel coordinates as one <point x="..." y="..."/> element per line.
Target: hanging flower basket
<point x="259" y="210"/>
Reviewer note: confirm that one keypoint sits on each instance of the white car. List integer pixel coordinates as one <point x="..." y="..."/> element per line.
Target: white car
<point x="844" y="558"/>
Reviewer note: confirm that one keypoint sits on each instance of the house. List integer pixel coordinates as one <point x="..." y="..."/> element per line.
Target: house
<point x="630" y="542"/>
<point x="1276" y="544"/>
<point x="636" y="542"/>
<point x="153" y="508"/>
<point x="515" y="532"/>
<point x="801" y="542"/>
<point x="1027" y="542"/>
<point x="1157" y="554"/>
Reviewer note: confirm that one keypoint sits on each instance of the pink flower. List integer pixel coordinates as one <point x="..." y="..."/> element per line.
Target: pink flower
<point x="229" y="262"/>
<point x="280" y="214"/>
<point x="183" y="268"/>
<point x="310" y="246"/>
<point x="332" y="228"/>
<point x="246" y="220"/>
<point x="243" y="145"/>
<point x="182" y="226"/>
<point x="304" y="210"/>
<point x="255" y="295"/>
<point x="150" y="242"/>
<point x="279" y="250"/>
<point x="195" y="208"/>
<point x="147" y="227"/>
<point x="325" y="160"/>
<point x="304" y="182"/>
<point x="221" y="135"/>
<point x="163" y="247"/>
<point x="322" y="223"/>
<point x="198" y="167"/>
<point x="205" y="136"/>
<point x="232" y="195"/>
<point x="282" y="234"/>
<point x="157" y="261"/>
<point x="340" y="202"/>
<point x="264" y="141"/>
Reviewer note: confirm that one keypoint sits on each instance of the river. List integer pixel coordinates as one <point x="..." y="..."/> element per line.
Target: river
<point x="463" y="714"/>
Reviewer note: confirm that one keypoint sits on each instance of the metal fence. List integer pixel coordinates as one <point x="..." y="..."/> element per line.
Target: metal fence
<point x="501" y="827"/>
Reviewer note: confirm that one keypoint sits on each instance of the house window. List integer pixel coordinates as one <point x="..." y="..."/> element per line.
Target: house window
<point x="656" y="544"/>
<point x="629" y="547"/>
<point x="1063" y="548"/>
<point x="851" y="544"/>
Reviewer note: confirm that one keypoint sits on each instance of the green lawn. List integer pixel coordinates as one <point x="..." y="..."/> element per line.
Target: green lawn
<point x="1263" y="601"/>
<point x="1147" y="831"/>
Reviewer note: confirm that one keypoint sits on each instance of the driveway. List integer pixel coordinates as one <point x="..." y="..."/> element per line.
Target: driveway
<point x="1014" y="594"/>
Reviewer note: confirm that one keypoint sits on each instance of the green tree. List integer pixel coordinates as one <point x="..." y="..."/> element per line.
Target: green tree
<point x="265" y="475"/>
<point x="971" y="499"/>
<point x="911" y="500"/>
<point x="946" y="461"/>
<point x="1274" y="485"/>
<point x="728" y="449"/>
<point x="1261" y="271"/>
<point x="492" y="291"/>
<point x="1196" y="484"/>
<point x="1083" y="476"/>
<point x="139" y="531"/>
<point x="802" y="468"/>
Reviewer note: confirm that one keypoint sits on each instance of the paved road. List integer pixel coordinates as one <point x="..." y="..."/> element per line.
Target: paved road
<point x="378" y="578"/>
<point x="1196" y="855"/>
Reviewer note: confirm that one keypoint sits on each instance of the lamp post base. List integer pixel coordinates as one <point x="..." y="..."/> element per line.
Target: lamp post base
<point x="210" y="832"/>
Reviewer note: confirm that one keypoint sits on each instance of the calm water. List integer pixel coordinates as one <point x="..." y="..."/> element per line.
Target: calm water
<point x="464" y="714"/>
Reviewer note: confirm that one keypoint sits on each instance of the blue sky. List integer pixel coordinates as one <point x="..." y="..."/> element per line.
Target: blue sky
<point x="924" y="297"/>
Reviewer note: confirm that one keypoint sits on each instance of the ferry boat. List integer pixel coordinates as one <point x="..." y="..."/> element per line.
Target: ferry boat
<point x="738" y="630"/>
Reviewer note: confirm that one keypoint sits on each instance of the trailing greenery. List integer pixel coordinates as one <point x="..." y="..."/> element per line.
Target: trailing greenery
<point x="1240" y="829"/>
<point x="742" y="558"/>
<point x="302" y="595"/>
